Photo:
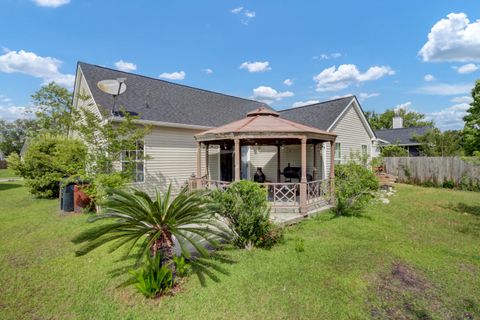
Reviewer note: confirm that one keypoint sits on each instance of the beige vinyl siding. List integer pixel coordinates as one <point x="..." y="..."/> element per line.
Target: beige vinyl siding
<point x="265" y="157"/>
<point x="351" y="134"/>
<point x="171" y="158"/>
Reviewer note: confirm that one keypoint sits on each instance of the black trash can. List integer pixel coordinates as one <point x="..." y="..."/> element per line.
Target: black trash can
<point x="66" y="201"/>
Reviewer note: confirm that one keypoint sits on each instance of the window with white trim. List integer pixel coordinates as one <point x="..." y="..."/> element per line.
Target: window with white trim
<point x="338" y="153"/>
<point x="134" y="160"/>
<point x="364" y="149"/>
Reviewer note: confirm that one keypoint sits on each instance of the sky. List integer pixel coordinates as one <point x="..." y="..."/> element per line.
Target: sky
<point x="419" y="55"/>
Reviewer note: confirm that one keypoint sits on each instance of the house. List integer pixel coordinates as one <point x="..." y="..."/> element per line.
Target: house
<point x="177" y="113"/>
<point x="404" y="137"/>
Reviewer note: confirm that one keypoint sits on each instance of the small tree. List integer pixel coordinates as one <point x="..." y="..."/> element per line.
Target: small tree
<point x="393" y="150"/>
<point x="134" y="218"/>
<point x="353" y="186"/>
<point x="13" y="134"/>
<point x="244" y="205"/>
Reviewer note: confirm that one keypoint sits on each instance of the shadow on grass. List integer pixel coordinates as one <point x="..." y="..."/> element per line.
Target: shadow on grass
<point x="351" y="213"/>
<point x="472" y="228"/>
<point x="466" y="208"/>
<point x="203" y="268"/>
<point x="8" y="186"/>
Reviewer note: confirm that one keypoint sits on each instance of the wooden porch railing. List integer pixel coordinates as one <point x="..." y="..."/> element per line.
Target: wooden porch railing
<point x="318" y="191"/>
<point x="283" y="194"/>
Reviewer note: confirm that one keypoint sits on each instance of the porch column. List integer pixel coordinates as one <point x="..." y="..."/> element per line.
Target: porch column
<point x="278" y="163"/>
<point x="303" y="182"/>
<point x="314" y="162"/>
<point x="238" y="156"/>
<point x="332" y="169"/>
<point x="199" y="165"/>
<point x="207" y="172"/>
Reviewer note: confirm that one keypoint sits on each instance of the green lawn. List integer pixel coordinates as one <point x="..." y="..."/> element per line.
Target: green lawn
<point x="6" y="173"/>
<point x="418" y="257"/>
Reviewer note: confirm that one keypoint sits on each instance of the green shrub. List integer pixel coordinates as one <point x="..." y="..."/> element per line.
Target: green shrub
<point x="100" y="184"/>
<point x="449" y="184"/>
<point x="182" y="268"/>
<point x="244" y="205"/>
<point x="353" y="187"/>
<point x="393" y="150"/>
<point x="48" y="160"/>
<point x="152" y="279"/>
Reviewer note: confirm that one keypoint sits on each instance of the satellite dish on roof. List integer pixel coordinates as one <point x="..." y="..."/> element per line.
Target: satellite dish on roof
<point x="113" y="87"/>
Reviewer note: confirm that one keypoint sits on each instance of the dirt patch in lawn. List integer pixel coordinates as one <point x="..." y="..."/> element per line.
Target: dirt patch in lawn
<point x="404" y="293"/>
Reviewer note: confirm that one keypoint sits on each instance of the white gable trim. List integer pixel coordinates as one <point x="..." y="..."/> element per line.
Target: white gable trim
<point x="359" y="111"/>
<point x="77" y="83"/>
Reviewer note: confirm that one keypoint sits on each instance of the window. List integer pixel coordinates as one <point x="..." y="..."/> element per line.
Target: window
<point x="364" y="149"/>
<point x="134" y="160"/>
<point x="338" y="153"/>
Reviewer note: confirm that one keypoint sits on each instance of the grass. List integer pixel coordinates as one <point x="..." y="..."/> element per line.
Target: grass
<point x="417" y="257"/>
<point x="7" y="173"/>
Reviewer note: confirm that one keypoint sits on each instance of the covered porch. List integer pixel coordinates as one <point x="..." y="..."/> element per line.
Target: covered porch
<point x="296" y="191"/>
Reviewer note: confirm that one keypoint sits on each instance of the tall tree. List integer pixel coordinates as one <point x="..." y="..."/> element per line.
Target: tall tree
<point x="471" y="130"/>
<point x="52" y="106"/>
<point x="384" y="120"/>
<point x="440" y="144"/>
<point x="13" y="134"/>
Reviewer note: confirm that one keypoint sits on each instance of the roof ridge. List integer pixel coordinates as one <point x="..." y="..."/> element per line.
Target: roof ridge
<point x="314" y="104"/>
<point x="174" y="83"/>
<point x="389" y="129"/>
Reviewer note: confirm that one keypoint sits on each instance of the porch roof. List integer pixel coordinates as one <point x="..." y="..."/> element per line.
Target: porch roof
<point x="264" y="124"/>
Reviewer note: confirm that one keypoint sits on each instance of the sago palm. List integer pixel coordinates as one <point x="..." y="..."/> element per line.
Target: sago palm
<point x="150" y="225"/>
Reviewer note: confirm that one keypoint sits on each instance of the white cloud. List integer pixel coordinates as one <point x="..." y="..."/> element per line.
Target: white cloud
<point x="125" y="66"/>
<point x="257" y="66"/>
<point x="327" y="56"/>
<point x="177" y="75"/>
<point x="29" y="63"/>
<point x="51" y="3"/>
<point x="366" y="95"/>
<point x="445" y="89"/>
<point x="450" y="118"/>
<point x="10" y="111"/>
<point x="453" y="39"/>
<point x="207" y="71"/>
<point x="245" y="14"/>
<point x="304" y="103"/>
<point x="428" y="77"/>
<point x="333" y="79"/>
<point x="403" y="106"/>
<point x="467" y="68"/>
<point x="265" y="93"/>
<point x="288" y="82"/>
<point x="462" y="99"/>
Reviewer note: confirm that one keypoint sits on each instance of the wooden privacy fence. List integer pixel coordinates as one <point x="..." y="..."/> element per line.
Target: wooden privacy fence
<point x="432" y="169"/>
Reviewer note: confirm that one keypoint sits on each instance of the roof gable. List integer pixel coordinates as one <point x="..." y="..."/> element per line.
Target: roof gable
<point x="159" y="100"/>
<point x="319" y="115"/>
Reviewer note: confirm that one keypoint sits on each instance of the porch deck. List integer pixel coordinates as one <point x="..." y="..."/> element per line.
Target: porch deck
<point x="284" y="198"/>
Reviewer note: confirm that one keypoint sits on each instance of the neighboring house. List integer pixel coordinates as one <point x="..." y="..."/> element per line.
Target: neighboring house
<point x="178" y="112"/>
<point x="2" y="157"/>
<point x="401" y="136"/>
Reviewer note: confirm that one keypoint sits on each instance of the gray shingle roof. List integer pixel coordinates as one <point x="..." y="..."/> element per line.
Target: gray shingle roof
<point x="401" y="136"/>
<point x="320" y="115"/>
<point x="159" y="100"/>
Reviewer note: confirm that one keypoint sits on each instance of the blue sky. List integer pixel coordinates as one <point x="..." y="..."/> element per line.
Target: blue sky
<point x="421" y="55"/>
